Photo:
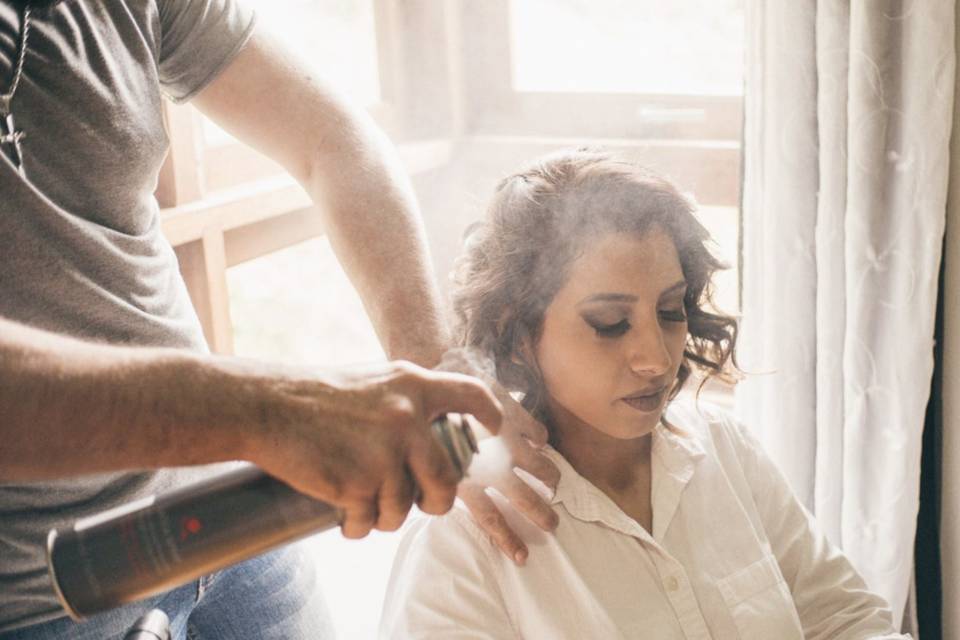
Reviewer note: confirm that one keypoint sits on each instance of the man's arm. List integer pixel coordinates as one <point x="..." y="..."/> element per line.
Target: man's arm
<point x="69" y="407"/>
<point x="272" y="101"/>
<point x="354" y="439"/>
<point x="275" y="103"/>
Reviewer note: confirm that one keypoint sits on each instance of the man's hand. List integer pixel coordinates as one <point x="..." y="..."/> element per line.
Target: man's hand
<point x="522" y="436"/>
<point x="362" y="441"/>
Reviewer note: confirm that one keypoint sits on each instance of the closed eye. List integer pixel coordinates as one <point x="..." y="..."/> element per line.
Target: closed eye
<point x="673" y="315"/>
<point x="611" y="330"/>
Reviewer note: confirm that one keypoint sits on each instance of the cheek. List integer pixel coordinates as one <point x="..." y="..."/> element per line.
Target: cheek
<point x="676" y="341"/>
<point x="566" y="360"/>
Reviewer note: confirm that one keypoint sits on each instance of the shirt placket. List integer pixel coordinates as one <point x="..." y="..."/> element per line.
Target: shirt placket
<point x="672" y="472"/>
<point x="673" y="467"/>
<point x="679" y="591"/>
<point x="674" y="580"/>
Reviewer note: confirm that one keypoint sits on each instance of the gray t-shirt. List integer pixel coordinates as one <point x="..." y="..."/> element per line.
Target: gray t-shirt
<point x="81" y="251"/>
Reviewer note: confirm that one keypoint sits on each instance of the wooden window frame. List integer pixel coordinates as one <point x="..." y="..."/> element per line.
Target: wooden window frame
<point x="696" y="137"/>
<point x="223" y="205"/>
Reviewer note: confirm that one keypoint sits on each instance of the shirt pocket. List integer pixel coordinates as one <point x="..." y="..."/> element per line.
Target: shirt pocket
<point x="760" y="603"/>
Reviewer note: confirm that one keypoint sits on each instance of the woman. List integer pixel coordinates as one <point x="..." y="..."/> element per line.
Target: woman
<point x="589" y="287"/>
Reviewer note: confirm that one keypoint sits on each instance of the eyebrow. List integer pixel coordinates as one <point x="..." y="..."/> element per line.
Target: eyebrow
<point x="626" y="297"/>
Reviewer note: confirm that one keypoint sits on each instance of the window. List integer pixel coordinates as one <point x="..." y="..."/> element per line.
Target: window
<point x="314" y="319"/>
<point x="655" y="81"/>
<point x="628" y="46"/>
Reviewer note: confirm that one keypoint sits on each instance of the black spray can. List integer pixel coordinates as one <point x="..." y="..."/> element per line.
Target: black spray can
<point x="159" y="543"/>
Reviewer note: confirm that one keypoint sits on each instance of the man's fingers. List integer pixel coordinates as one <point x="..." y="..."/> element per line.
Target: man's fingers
<point x="358" y="519"/>
<point x="434" y="474"/>
<point x="455" y="392"/>
<point x="395" y="500"/>
<point x="523" y="424"/>
<point x="486" y="514"/>
<point x="529" y="503"/>
<point x="534" y="462"/>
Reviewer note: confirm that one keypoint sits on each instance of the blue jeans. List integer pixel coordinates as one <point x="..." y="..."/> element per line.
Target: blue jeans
<point x="274" y="596"/>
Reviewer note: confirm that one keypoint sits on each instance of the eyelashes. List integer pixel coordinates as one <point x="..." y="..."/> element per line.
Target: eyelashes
<point x="611" y="330"/>
<point x="620" y="328"/>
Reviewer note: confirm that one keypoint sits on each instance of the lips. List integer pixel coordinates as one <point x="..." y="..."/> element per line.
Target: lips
<point x="646" y="401"/>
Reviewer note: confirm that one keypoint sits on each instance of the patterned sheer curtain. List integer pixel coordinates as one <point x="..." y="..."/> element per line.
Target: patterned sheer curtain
<point x="848" y="120"/>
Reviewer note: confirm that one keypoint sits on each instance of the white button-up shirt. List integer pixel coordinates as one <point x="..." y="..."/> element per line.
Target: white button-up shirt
<point x="732" y="554"/>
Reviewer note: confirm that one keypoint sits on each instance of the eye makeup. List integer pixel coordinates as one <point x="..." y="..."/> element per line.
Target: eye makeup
<point x="610" y="330"/>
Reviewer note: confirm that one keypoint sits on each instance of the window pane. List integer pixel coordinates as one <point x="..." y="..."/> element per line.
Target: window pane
<point x="297" y="305"/>
<point x="723" y="223"/>
<point x="635" y="46"/>
<point x="337" y="37"/>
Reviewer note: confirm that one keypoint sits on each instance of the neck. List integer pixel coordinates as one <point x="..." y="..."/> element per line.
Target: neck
<point x="614" y="465"/>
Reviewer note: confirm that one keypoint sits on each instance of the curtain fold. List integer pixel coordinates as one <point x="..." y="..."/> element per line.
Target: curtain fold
<point x="848" y="120"/>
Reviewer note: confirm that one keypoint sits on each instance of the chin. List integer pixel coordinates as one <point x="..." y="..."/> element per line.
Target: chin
<point x="636" y="420"/>
<point x="632" y="429"/>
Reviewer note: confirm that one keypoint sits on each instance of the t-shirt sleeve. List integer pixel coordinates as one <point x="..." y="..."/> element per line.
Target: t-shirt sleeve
<point x="198" y="38"/>
<point x="832" y="600"/>
<point x="444" y="585"/>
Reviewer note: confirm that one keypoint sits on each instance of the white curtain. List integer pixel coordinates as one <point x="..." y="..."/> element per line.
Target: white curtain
<point x="847" y="125"/>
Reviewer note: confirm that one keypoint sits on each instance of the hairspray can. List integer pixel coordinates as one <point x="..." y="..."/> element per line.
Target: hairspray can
<point x="159" y="543"/>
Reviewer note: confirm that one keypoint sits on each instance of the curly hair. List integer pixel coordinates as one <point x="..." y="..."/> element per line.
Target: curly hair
<point x="540" y="220"/>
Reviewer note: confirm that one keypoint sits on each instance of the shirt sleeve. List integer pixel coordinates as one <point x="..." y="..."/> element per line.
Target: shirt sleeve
<point x="832" y="599"/>
<point x="198" y="38"/>
<point x="443" y="585"/>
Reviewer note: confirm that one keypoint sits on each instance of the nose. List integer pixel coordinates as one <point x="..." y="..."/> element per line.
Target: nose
<point x="647" y="351"/>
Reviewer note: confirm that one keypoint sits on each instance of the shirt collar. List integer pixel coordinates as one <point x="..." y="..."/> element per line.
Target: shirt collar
<point x="674" y="458"/>
<point x="677" y="450"/>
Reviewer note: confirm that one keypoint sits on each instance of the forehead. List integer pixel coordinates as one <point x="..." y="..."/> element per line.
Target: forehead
<point x="624" y="263"/>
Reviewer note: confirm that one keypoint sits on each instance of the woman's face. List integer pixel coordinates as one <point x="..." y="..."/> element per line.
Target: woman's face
<point x="613" y="337"/>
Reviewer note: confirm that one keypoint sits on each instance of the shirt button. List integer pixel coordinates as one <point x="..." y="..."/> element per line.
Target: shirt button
<point x="671" y="583"/>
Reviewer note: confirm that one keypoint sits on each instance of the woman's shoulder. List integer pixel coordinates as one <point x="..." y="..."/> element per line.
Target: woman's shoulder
<point x="445" y="576"/>
<point x="453" y="537"/>
<point x="455" y="522"/>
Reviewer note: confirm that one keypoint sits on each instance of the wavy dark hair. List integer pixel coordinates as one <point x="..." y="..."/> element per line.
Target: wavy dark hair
<point x="540" y="220"/>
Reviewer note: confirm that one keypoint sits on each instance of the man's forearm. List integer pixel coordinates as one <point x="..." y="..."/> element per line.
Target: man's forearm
<point x="273" y="101"/>
<point x="68" y="407"/>
<point x="374" y="226"/>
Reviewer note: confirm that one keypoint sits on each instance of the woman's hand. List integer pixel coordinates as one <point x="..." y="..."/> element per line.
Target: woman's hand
<point x="362" y="440"/>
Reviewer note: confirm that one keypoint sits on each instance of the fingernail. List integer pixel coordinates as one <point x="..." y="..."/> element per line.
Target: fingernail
<point x="521" y="556"/>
